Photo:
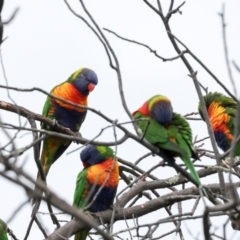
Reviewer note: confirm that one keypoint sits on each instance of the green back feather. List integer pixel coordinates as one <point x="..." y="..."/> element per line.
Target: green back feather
<point x="82" y="235"/>
<point x="157" y="134"/>
<point x="183" y="133"/>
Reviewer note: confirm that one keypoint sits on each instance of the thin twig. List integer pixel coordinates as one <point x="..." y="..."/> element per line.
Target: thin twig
<point x="205" y="67"/>
<point x="222" y="15"/>
<point x="146" y="46"/>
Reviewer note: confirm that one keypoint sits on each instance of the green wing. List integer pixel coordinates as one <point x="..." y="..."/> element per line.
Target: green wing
<point x="181" y="128"/>
<point x="80" y="193"/>
<point x="176" y="138"/>
<point x="157" y="134"/>
<point x="3" y="230"/>
<point x="45" y="113"/>
<point x="46" y="108"/>
<point x="181" y="131"/>
<point x="231" y="125"/>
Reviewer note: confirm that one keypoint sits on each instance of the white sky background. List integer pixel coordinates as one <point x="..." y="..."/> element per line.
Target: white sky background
<point x="46" y="44"/>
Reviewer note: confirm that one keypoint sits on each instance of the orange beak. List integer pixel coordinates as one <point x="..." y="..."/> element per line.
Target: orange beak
<point x="91" y="87"/>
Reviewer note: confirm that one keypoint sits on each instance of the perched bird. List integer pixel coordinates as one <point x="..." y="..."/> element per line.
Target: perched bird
<point x="3" y="230"/>
<point x="221" y="111"/>
<point x="97" y="183"/>
<point x="76" y="90"/>
<point x="167" y="130"/>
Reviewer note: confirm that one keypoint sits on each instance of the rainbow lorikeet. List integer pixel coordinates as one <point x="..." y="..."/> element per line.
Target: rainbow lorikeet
<point x="167" y="130"/>
<point x="76" y="90"/>
<point x="99" y="180"/>
<point x="221" y="111"/>
<point x="3" y="230"/>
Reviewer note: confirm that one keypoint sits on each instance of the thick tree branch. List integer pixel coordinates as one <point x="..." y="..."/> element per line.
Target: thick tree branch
<point x="121" y="213"/>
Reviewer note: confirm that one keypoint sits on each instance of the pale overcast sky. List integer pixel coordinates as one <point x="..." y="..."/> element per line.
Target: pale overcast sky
<point x="46" y="43"/>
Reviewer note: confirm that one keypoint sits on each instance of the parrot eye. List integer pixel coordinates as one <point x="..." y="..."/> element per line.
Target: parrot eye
<point x="85" y="78"/>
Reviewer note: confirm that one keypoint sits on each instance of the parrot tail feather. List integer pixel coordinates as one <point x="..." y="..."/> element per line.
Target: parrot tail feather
<point x="204" y="190"/>
<point x="37" y="190"/>
<point x="194" y="174"/>
<point x="82" y="235"/>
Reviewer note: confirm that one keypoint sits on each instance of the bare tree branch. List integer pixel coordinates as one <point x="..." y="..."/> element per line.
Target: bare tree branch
<point x="146" y="46"/>
<point x="222" y="15"/>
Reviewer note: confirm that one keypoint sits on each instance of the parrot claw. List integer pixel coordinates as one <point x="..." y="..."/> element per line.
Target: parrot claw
<point x="130" y="177"/>
<point x="55" y="122"/>
<point x="163" y="162"/>
<point x="91" y="214"/>
<point x="226" y="163"/>
<point x="78" y="134"/>
<point x="88" y="213"/>
<point x="111" y="207"/>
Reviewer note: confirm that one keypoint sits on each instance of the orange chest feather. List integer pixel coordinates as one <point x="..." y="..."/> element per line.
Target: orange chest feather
<point x="219" y="119"/>
<point x="68" y="92"/>
<point x="105" y="173"/>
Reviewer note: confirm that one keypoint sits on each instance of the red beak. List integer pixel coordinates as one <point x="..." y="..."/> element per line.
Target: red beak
<point x="91" y="87"/>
